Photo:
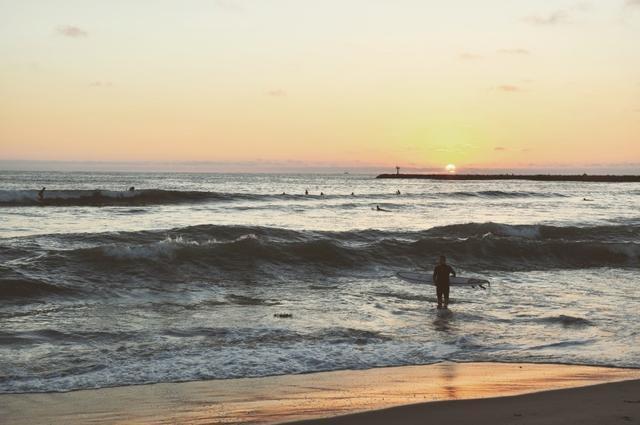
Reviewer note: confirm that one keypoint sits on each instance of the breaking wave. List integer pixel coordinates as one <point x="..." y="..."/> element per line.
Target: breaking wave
<point x="98" y="197"/>
<point x="107" y="197"/>
<point x="264" y="254"/>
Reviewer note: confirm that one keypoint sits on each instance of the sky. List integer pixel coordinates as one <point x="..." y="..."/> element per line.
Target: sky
<point x="492" y="84"/>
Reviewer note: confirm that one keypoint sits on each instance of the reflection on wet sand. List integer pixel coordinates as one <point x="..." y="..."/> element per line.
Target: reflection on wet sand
<point x="449" y="376"/>
<point x="285" y="398"/>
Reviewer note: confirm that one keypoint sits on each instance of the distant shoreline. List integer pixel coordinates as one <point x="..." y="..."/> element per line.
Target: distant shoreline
<point x="535" y="177"/>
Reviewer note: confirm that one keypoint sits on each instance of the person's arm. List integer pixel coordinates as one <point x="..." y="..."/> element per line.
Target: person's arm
<point x="435" y="274"/>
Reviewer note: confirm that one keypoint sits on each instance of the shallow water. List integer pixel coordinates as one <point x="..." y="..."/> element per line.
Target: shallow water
<point x="180" y="279"/>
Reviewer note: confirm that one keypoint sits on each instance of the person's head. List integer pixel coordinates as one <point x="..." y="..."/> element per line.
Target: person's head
<point x="442" y="259"/>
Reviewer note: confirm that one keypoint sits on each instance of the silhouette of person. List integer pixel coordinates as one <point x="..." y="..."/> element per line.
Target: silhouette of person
<point x="131" y="189"/>
<point x="321" y="193"/>
<point x="378" y="208"/>
<point x="398" y="192"/>
<point x="441" y="278"/>
<point x="306" y="191"/>
<point x="41" y="194"/>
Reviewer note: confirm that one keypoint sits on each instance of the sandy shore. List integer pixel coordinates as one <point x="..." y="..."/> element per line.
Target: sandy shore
<point x="328" y="394"/>
<point x="604" y="404"/>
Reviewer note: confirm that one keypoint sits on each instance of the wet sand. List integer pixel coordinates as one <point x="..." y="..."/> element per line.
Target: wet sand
<point x="613" y="403"/>
<point x="328" y="394"/>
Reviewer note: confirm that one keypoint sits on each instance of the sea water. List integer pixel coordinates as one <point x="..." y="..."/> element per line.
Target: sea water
<point x="184" y="277"/>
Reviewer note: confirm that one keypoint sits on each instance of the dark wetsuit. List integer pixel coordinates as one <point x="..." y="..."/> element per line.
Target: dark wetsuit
<point x="441" y="278"/>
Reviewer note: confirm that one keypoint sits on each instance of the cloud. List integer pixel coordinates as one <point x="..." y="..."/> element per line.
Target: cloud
<point x="516" y="51"/>
<point x="554" y="18"/>
<point x="277" y="93"/>
<point x="500" y="148"/>
<point x="582" y="6"/>
<point x="101" y="84"/>
<point x="468" y="56"/>
<point x="228" y="5"/>
<point x="558" y="17"/>
<point x="71" y="31"/>
<point x="631" y="3"/>
<point x="509" y="88"/>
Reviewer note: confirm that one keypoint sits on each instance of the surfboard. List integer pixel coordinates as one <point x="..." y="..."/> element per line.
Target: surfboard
<point x="426" y="278"/>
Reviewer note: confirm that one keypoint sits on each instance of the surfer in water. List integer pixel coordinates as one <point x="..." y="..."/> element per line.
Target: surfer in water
<point x="441" y="278"/>
<point x="41" y="194"/>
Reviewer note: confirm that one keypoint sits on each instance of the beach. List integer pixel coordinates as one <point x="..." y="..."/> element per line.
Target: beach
<point x="443" y="391"/>
<point x="593" y="405"/>
<point x="360" y="212"/>
<point x="206" y="298"/>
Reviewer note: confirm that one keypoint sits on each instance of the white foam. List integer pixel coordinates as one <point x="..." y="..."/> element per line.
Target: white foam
<point x="527" y="232"/>
<point x="166" y="248"/>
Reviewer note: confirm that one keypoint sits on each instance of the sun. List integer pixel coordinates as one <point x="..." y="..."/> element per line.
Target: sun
<point x="451" y="168"/>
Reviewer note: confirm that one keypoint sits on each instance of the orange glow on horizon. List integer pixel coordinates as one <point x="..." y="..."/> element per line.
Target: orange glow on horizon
<point x="105" y="88"/>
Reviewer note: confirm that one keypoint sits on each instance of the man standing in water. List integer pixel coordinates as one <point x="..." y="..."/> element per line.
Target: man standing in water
<point x="441" y="278"/>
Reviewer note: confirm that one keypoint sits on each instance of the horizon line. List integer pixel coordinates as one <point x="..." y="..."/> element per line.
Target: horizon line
<point x="298" y="167"/>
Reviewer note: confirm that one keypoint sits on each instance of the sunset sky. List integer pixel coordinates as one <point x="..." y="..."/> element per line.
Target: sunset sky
<point x="496" y="84"/>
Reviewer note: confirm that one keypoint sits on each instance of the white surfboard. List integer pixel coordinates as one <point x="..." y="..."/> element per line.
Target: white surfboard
<point x="427" y="278"/>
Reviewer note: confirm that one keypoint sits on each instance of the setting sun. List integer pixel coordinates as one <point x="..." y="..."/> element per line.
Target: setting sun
<point x="451" y="168"/>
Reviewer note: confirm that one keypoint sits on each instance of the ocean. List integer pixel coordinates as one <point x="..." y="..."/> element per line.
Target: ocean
<point x="213" y="276"/>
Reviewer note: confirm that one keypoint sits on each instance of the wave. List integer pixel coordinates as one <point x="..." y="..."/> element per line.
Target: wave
<point x="211" y="234"/>
<point x="98" y="197"/>
<point x="562" y="344"/>
<point x="261" y="255"/>
<point x="27" y="288"/>
<point x="220" y="335"/>
<point x="51" y="335"/>
<point x="566" y="321"/>
<point x="12" y="198"/>
<point x="538" y="231"/>
<point x="501" y="194"/>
